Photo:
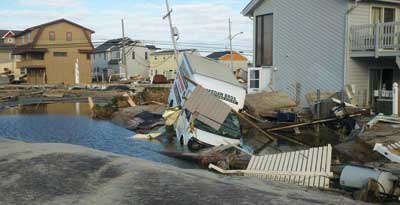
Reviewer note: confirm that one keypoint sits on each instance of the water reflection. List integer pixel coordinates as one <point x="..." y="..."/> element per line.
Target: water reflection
<point x="69" y="123"/>
<point x="78" y="109"/>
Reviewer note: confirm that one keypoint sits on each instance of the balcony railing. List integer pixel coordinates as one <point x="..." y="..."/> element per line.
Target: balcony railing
<point x="376" y="39"/>
<point x="31" y="64"/>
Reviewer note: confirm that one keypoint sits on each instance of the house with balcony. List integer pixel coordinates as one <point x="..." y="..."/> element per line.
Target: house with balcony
<point x="107" y="59"/>
<point x="8" y="62"/>
<point x="51" y="52"/>
<point x="328" y="44"/>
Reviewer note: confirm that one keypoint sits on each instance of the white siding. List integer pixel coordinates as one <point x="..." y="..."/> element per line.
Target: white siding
<point x="358" y="69"/>
<point x="309" y="42"/>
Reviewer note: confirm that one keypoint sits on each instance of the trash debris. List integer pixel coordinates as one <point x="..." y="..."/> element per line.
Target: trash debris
<point x="391" y="151"/>
<point x="356" y="177"/>
<point x="261" y="104"/>
<point x="151" y="135"/>
<point x="309" y="168"/>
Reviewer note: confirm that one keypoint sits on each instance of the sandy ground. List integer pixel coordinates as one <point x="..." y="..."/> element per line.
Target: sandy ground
<point x="68" y="174"/>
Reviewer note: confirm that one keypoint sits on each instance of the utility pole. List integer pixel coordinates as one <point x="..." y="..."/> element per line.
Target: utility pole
<point x="123" y="50"/>
<point x="172" y="30"/>
<point x="230" y="43"/>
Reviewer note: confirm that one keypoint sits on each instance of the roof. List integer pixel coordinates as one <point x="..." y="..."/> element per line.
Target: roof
<point x="6" y="46"/>
<point x="53" y="22"/>
<point x="113" y="62"/>
<point x="220" y="54"/>
<point x="113" y="43"/>
<point x="252" y="5"/>
<point x="152" y="47"/>
<point x="171" y="51"/>
<point x="211" y="68"/>
<point x="3" y="33"/>
<point x="209" y="108"/>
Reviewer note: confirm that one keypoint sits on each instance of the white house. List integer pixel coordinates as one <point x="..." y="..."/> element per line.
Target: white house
<point x="107" y="59"/>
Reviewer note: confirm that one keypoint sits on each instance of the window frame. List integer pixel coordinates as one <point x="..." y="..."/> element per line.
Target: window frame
<point x="52" y="36"/>
<point x="255" y="79"/>
<point x="68" y="37"/>
<point x="58" y="54"/>
<point x="382" y="12"/>
<point x="261" y="62"/>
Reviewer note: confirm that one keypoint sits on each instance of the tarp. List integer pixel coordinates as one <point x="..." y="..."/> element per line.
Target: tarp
<point x="208" y="108"/>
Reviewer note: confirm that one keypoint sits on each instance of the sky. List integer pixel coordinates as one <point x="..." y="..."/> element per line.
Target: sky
<point x="202" y="23"/>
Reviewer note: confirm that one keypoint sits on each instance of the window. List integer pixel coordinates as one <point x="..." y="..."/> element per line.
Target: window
<point x="88" y="56"/>
<point x="264" y="40"/>
<point x="133" y="55"/>
<point x="29" y="37"/>
<point x="383" y="15"/>
<point x="105" y="58"/>
<point x="52" y="36"/>
<point x="69" y="36"/>
<point x="177" y="95"/>
<point x="155" y="57"/>
<point x="60" y="54"/>
<point x="254" y="78"/>
<point x="23" y="39"/>
<point x="37" y="56"/>
<point x="118" y="55"/>
<point x="146" y="57"/>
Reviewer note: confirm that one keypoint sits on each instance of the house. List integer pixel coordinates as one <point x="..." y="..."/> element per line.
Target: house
<point x="328" y="44"/>
<point x="164" y="63"/>
<point x="107" y="58"/>
<point x="239" y="62"/>
<point x="57" y="52"/>
<point x="8" y="62"/>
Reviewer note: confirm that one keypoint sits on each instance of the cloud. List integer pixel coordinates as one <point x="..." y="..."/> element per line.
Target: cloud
<point x="201" y="23"/>
<point x="51" y="3"/>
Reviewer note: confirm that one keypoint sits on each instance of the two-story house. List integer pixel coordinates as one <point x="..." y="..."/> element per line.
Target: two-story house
<point x="239" y="61"/>
<point x="107" y="59"/>
<point x="56" y="52"/>
<point x="7" y="60"/>
<point x="164" y="63"/>
<point x="327" y="44"/>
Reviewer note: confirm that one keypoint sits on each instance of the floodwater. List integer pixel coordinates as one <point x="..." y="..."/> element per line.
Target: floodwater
<point x="71" y="123"/>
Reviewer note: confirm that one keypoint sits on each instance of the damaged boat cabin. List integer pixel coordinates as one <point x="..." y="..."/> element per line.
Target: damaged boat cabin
<point x="209" y="95"/>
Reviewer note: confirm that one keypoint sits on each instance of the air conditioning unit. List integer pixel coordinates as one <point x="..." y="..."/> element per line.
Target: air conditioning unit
<point x="259" y="79"/>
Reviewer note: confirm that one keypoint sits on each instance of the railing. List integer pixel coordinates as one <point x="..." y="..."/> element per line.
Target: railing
<point x="31" y="63"/>
<point x="375" y="36"/>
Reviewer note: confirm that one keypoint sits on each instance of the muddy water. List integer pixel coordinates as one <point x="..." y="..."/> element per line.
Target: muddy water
<point x="71" y="123"/>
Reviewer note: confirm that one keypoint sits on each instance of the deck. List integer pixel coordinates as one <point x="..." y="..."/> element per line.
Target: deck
<point x="375" y="40"/>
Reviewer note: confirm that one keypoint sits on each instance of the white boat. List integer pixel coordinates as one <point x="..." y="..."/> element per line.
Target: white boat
<point x="196" y="71"/>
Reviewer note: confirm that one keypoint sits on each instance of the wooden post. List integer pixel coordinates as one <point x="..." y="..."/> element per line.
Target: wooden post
<point x="395" y="97"/>
<point x="377" y="35"/>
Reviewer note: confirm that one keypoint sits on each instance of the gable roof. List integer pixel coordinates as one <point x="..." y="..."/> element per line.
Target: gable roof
<point x="217" y="55"/>
<point x="171" y="51"/>
<point x="253" y="4"/>
<point x="4" y="33"/>
<point x="114" y="43"/>
<point x="53" y="22"/>
<point x="211" y="68"/>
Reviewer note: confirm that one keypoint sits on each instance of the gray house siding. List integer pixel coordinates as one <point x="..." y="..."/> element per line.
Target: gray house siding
<point x="309" y="40"/>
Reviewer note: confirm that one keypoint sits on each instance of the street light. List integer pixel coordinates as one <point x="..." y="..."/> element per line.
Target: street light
<point x="230" y="42"/>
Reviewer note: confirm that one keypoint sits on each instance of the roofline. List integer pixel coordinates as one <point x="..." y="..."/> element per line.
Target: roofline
<point x="250" y="7"/>
<point x="7" y="34"/>
<point x="247" y="11"/>
<point x="53" y="22"/>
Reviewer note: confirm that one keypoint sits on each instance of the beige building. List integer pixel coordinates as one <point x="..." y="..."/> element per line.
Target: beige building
<point x="164" y="63"/>
<point x="49" y="53"/>
<point x="7" y="60"/>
